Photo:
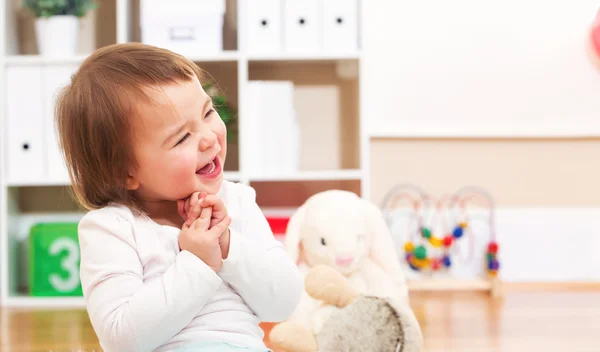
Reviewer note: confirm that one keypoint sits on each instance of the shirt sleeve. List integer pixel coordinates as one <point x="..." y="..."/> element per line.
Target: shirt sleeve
<point x="127" y="313"/>
<point x="259" y="268"/>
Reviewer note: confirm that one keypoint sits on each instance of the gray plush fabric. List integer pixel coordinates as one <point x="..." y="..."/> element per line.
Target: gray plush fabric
<point x="369" y="324"/>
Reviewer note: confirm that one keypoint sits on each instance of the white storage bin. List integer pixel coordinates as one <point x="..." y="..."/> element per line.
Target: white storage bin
<point x="340" y="25"/>
<point x="187" y="27"/>
<point x="25" y="139"/>
<point x="302" y="27"/>
<point x="264" y="27"/>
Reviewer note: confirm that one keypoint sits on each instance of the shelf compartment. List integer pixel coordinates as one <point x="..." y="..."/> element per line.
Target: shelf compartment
<point x="27" y="207"/>
<point x="97" y="29"/>
<point x="326" y="108"/>
<point x="292" y="194"/>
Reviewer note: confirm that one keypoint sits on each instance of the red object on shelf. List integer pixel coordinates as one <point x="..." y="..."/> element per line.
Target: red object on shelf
<point x="278" y="224"/>
<point x="595" y="34"/>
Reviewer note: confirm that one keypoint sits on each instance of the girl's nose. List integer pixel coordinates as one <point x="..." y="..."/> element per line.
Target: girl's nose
<point x="207" y="140"/>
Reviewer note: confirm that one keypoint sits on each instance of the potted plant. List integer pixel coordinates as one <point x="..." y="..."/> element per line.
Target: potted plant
<point x="57" y="24"/>
<point x="223" y="108"/>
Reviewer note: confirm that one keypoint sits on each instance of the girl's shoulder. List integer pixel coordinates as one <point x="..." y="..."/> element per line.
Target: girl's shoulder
<point x="114" y="220"/>
<point x="111" y="212"/>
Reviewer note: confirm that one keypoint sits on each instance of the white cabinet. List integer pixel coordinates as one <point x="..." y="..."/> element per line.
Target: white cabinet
<point x="276" y="72"/>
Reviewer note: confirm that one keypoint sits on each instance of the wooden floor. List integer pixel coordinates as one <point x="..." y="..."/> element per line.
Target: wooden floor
<point x="521" y="321"/>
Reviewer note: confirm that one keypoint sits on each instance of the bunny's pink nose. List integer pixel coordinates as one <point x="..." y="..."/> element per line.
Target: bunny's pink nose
<point x="344" y="260"/>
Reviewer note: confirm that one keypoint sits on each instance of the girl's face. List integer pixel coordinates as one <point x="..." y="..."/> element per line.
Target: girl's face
<point x="180" y="144"/>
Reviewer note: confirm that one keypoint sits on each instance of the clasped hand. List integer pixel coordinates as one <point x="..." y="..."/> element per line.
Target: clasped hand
<point x="205" y="232"/>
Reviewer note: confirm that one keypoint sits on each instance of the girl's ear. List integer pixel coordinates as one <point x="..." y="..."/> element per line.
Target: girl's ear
<point x="132" y="183"/>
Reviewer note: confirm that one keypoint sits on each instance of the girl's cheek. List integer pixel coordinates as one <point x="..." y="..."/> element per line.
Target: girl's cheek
<point x="185" y="159"/>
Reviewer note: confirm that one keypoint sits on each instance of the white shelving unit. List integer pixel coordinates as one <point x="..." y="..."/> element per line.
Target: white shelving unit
<point x="24" y="201"/>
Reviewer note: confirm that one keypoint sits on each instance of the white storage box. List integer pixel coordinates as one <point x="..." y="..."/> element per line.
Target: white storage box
<point x="302" y="27"/>
<point x="340" y="25"/>
<point x="25" y="144"/>
<point x="187" y="27"/>
<point x="264" y="26"/>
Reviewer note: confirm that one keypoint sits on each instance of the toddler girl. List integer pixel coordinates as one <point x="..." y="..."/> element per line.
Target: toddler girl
<point x="172" y="256"/>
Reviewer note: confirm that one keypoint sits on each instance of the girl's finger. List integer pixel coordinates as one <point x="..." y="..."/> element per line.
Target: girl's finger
<point x="194" y="213"/>
<point x="203" y="220"/>
<point x="219" y="228"/>
<point x="181" y="209"/>
<point x="216" y="202"/>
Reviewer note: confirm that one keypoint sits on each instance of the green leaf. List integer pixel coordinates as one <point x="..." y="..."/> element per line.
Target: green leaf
<point x="48" y="8"/>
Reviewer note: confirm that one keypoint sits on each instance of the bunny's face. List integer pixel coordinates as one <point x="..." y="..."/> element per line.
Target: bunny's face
<point x="336" y="237"/>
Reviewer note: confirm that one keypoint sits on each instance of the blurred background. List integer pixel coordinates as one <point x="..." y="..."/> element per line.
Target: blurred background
<point x="403" y="103"/>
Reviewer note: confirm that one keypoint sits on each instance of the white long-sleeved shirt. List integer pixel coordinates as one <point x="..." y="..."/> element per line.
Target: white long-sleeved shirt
<point x="143" y="294"/>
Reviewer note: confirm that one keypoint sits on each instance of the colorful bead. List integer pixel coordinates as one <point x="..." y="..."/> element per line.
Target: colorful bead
<point x="420" y="263"/>
<point x="447" y="241"/>
<point x="458" y="232"/>
<point x="421" y="252"/>
<point x="462" y="224"/>
<point x="426" y="232"/>
<point x="435" y="242"/>
<point x="493" y="247"/>
<point x="493" y="265"/>
<point x="435" y="264"/>
<point x="446" y="261"/>
<point x="409" y="247"/>
<point x="491" y="256"/>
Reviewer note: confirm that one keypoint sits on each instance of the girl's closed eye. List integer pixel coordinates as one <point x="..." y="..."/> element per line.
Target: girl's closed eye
<point x="209" y="113"/>
<point x="187" y="135"/>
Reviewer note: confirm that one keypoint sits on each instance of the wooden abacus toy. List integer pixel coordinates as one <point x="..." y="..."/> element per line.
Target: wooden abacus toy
<point x="422" y="242"/>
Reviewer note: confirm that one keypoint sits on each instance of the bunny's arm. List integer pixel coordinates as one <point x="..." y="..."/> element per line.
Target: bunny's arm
<point x="380" y="284"/>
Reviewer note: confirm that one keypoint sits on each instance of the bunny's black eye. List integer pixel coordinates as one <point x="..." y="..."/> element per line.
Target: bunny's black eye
<point x="323" y="241"/>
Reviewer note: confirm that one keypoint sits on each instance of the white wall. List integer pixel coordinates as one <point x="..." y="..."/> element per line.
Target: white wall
<point x="480" y="68"/>
<point x="545" y="181"/>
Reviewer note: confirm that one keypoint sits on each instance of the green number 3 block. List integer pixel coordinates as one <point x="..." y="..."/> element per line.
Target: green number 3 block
<point x="54" y="260"/>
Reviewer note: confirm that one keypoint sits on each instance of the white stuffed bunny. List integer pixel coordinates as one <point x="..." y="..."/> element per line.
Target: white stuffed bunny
<point x="341" y="230"/>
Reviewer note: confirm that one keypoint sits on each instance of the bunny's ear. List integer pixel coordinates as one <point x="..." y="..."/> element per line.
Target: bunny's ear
<point x="382" y="248"/>
<point x="293" y="234"/>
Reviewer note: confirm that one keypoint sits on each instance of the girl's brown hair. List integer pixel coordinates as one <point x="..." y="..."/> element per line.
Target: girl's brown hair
<point x="94" y="114"/>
